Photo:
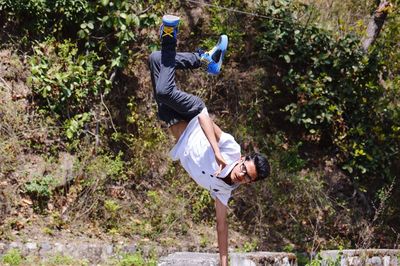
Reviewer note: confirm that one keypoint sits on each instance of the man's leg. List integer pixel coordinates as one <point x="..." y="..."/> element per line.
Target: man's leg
<point x="184" y="60"/>
<point x="168" y="96"/>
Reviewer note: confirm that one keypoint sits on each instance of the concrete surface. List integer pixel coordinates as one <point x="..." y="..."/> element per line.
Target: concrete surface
<point x="236" y="259"/>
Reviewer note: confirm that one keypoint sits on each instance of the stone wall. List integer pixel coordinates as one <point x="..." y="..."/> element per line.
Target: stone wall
<point x="94" y="251"/>
<point x="98" y="252"/>
<point x="350" y="257"/>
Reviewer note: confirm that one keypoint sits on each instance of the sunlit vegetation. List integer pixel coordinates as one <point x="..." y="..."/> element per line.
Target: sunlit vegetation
<point x="80" y="142"/>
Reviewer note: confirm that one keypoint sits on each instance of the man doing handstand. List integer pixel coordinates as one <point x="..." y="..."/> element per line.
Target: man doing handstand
<point x="210" y="156"/>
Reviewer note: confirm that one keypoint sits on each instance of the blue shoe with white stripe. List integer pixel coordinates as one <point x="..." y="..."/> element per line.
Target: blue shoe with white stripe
<point x="169" y="28"/>
<point x="212" y="60"/>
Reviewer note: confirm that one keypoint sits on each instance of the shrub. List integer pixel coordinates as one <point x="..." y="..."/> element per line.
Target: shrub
<point x="66" y="82"/>
<point x="40" y="190"/>
<point x="331" y="89"/>
<point x="12" y="257"/>
<point x="134" y="259"/>
<point x="87" y="42"/>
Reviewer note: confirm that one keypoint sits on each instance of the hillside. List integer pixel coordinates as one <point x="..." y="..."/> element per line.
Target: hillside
<point x="83" y="155"/>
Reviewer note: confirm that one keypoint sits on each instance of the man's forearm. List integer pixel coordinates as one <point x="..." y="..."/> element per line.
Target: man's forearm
<point x="222" y="231"/>
<point x="208" y="128"/>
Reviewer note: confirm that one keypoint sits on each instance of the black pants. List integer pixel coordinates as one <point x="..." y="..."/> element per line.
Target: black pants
<point x="173" y="104"/>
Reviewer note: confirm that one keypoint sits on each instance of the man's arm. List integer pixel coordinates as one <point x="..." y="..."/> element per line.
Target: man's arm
<point x="213" y="133"/>
<point x="217" y="131"/>
<point x="222" y="230"/>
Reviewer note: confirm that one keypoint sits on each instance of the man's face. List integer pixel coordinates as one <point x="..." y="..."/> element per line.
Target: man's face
<point x="244" y="172"/>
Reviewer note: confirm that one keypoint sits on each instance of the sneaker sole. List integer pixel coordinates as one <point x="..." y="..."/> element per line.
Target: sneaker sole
<point x="170" y="20"/>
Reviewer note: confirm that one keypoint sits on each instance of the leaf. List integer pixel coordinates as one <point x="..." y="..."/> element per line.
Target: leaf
<point x="69" y="133"/>
<point x="90" y="25"/>
<point x="105" y="18"/>
<point x="287" y="58"/>
<point x="136" y="20"/>
<point x="348" y="168"/>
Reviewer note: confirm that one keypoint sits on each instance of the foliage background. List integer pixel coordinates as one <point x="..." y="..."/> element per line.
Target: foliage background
<point x="81" y="143"/>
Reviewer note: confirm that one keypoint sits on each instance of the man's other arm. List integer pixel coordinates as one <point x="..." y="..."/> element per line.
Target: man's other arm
<point x="222" y="231"/>
<point x="213" y="134"/>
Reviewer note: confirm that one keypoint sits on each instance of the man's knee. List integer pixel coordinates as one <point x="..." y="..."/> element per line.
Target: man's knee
<point x="163" y="92"/>
<point x="155" y="57"/>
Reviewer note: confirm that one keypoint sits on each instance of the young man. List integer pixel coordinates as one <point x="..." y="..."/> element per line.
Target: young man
<point x="210" y="156"/>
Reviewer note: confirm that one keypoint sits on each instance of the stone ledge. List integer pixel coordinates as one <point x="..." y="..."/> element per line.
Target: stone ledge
<point x="236" y="259"/>
<point x="189" y="259"/>
<point x="263" y="258"/>
<point x="95" y="252"/>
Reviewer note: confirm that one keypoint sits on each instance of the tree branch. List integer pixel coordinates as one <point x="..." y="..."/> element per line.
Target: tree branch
<point x="376" y="23"/>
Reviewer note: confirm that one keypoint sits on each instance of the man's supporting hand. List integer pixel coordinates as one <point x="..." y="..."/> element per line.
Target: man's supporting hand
<point x="222" y="230"/>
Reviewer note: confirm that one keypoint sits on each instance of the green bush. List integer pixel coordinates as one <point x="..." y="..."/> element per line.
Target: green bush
<point x="128" y="259"/>
<point x="105" y="27"/>
<point x="40" y="187"/>
<point x="229" y="23"/>
<point x="30" y="13"/>
<point x="67" y="83"/>
<point x="40" y="190"/>
<point x="331" y="89"/>
<point x="81" y="47"/>
<point x="65" y="79"/>
<point x="13" y="257"/>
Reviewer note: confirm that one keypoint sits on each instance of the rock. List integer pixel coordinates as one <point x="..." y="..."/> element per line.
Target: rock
<point x="107" y="252"/>
<point x="15" y="245"/>
<point x="130" y="248"/>
<point x="59" y="248"/>
<point x="64" y="171"/>
<point x="31" y="247"/>
<point x="354" y="261"/>
<point x="3" y="248"/>
<point x="44" y="249"/>
<point x="371" y="257"/>
<point x="374" y="261"/>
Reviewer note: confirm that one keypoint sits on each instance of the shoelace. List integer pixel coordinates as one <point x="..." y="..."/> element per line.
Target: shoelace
<point x="168" y="31"/>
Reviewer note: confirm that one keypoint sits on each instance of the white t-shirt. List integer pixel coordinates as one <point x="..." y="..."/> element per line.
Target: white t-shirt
<point x="197" y="157"/>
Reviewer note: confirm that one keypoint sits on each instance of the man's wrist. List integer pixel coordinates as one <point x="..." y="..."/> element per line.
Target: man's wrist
<point x="223" y="260"/>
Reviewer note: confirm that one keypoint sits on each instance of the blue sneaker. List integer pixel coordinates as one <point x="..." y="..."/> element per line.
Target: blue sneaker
<point x="169" y="28"/>
<point x="212" y="60"/>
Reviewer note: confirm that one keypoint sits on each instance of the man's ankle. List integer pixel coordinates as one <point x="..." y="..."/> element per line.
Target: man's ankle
<point x="169" y="30"/>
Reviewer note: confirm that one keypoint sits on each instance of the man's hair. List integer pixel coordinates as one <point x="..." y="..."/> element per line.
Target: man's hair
<point x="262" y="165"/>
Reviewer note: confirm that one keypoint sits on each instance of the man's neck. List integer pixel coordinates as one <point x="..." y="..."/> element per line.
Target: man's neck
<point x="228" y="179"/>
